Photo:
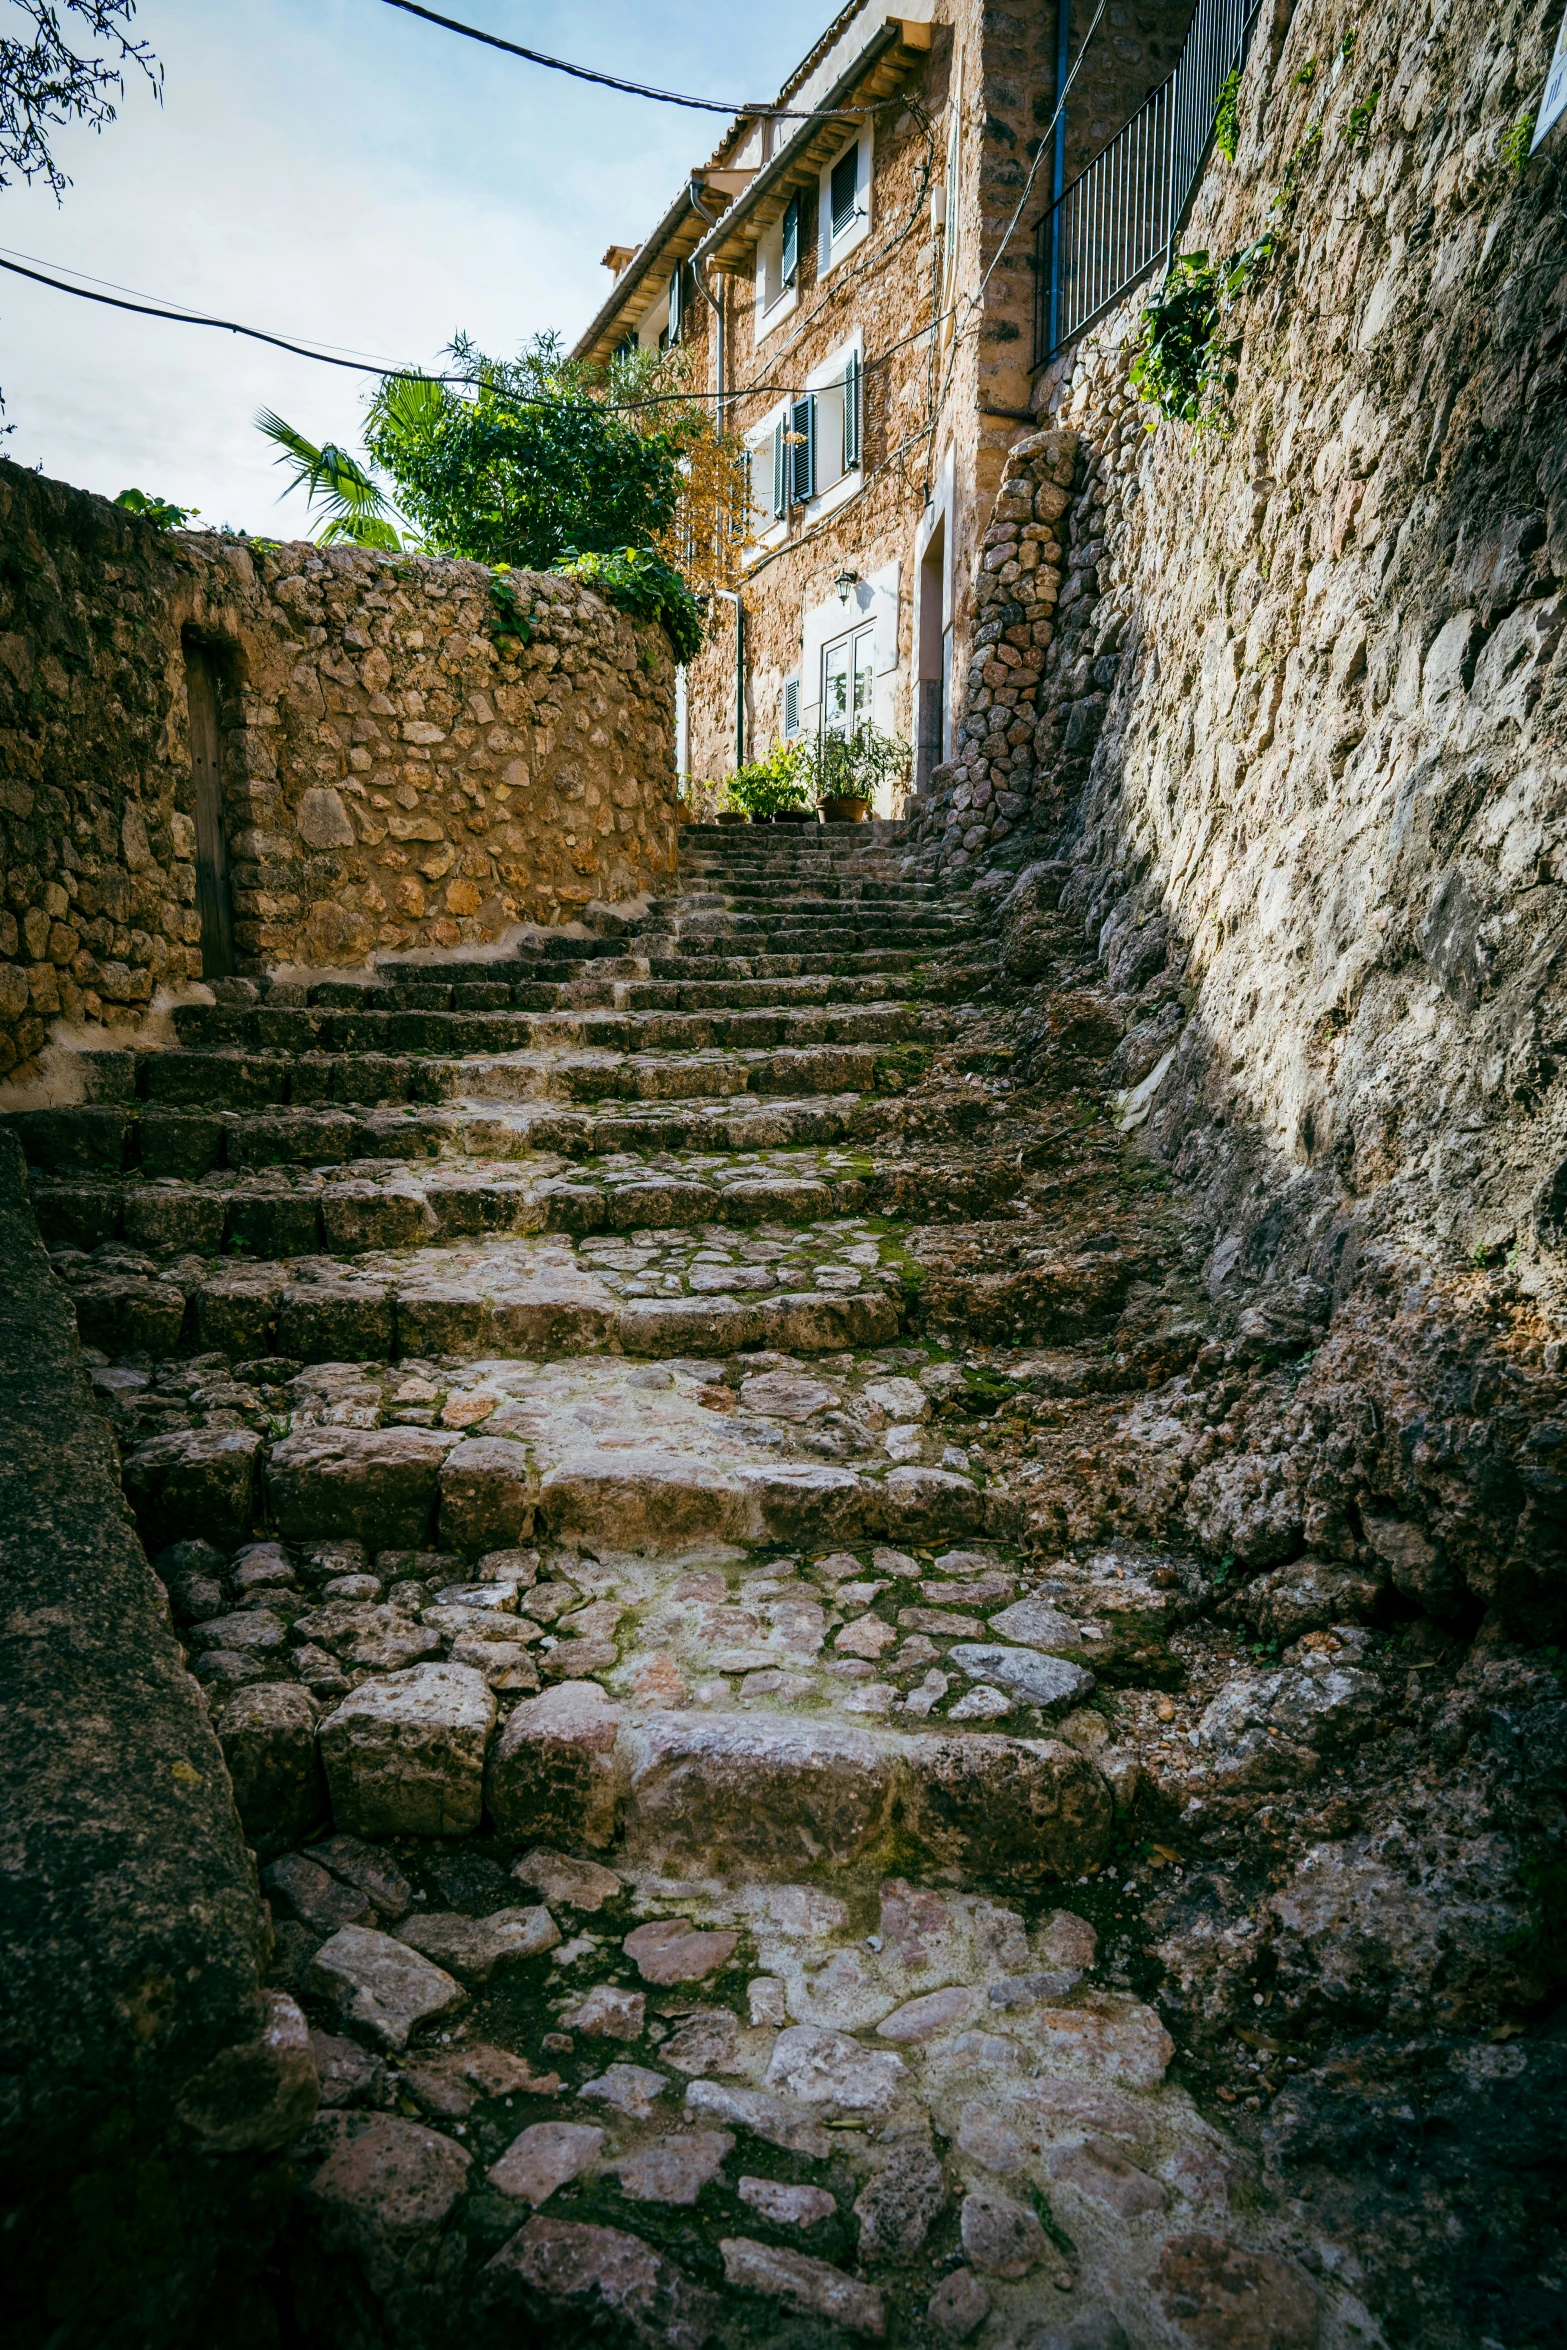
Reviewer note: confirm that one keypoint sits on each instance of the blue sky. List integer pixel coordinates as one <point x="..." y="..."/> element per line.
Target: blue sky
<point x="335" y="169"/>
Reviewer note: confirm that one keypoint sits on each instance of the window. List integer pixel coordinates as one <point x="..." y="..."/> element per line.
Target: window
<point x="677" y="307"/>
<point x="843" y="189"/>
<point x="778" y="267"/>
<point x="843" y="209"/>
<point x="794" y="455"/>
<point x="848" y="678"/>
<point x="791" y="707"/>
<point x="789" y="243"/>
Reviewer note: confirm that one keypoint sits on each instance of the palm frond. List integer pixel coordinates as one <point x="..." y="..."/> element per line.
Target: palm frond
<point x="333" y="480"/>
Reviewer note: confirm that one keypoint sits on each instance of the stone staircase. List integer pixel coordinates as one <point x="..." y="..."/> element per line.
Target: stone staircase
<point x="516" y="1386"/>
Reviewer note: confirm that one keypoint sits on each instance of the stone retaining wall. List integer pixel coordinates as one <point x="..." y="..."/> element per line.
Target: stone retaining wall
<point x="1294" y="749"/>
<point x="394" y="775"/>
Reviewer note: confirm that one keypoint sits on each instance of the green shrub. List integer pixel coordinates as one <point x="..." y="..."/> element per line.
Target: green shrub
<point x="852" y="766"/>
<point x="762" y="787"/>
<point x="644" y="585"/>
<point x="1515" y="146"/>
<point x="1183" y="364"/>
<point x="160" y="512"/>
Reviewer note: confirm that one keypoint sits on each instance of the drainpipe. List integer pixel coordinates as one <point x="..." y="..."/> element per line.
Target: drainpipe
<point x="731" y="597"/>
<point x="1058" y="166"/>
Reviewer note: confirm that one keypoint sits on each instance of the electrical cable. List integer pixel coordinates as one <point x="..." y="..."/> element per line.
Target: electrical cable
<point x="140" y="295"/>
<point x="150" y="309"/>
<point x="613" y="81"/>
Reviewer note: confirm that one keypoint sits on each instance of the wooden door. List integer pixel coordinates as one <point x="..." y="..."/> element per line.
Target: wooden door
<point x="212" y="880"/>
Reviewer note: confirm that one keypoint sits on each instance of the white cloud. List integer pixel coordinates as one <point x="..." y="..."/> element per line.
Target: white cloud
<point x="334" y="169"/>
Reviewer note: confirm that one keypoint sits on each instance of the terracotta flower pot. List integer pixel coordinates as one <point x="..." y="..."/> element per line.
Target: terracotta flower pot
<point x="845" y="808"/>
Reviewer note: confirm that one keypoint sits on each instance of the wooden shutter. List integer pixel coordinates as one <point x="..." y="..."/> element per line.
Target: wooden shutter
<point x="803" y="450"/>
<point x="843" y="188"/>
<point x="851" y="413"/>
<point x="790" y="264"/>
<point x="781" y="453"/>
<point x="677" y="305"/>
<point x="791" y="705"/>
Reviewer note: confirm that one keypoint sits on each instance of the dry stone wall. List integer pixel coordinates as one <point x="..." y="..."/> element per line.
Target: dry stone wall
<point x="394" y="775"/>
<point x="1294" y="752"/>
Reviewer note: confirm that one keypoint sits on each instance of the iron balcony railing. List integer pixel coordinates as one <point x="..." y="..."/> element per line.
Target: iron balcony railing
<point x="1115" y="218"/>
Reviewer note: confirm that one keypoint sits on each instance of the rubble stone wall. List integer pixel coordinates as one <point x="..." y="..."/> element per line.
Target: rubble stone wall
<point x="1295" y="748"/>
<point x="395" y="774"/>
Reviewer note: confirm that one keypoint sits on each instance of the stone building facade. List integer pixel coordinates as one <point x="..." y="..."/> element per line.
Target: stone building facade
<point x="856" y="275"/>
<point x="224" y="755"/>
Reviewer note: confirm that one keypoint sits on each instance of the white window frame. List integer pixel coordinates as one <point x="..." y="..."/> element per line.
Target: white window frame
<point x="829" y="429"/>
<point x="860" y="633"/>
<point x="775" y="305"/>
<point x="830" y="249"/>
<point x="769" y="530"/>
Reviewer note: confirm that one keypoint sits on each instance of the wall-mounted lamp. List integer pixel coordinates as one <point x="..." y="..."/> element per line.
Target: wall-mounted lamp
<point x="844" y="582"/>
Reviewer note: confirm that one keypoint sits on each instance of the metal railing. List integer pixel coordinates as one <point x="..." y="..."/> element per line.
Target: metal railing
<point x="1116" y="217"/>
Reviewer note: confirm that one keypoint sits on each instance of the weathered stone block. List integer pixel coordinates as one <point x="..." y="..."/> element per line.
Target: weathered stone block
<point x="199" y="1481"/>
<point x="268" y="1736"/>
<point x="376" y="1485"/>
<point x="1014" y="1811"/>
<point x="554" y="1772"/>
<point x="404" y="1754"/>
<point x="380" y="1985"/>
<point x="486" y="1498"/>
<point x="753" y="1791"/>
<point x="327" y="1323"/>
<point x="383" y="2193"/>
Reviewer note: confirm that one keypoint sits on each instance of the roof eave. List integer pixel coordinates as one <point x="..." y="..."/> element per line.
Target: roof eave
<point x="750" y="214"/>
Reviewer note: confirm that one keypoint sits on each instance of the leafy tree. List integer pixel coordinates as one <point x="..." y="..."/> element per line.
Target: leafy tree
<point x="526" y="458"/>
<point x="616" y="475"/>
<point x="356" y="506"/>
<point x="46" y="83"/>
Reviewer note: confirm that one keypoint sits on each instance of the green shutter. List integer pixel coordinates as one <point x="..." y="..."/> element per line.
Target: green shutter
<point x="780" y="478"/>
<point x="803" y="451"/>
<point x="790" y="267"/>
<point x="843" y="189"/>
<point x="851" y="413"/>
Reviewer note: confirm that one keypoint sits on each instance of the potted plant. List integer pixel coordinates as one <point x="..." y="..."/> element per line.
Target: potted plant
<point x="773" y="790"/>
<point x="850" y="767"/>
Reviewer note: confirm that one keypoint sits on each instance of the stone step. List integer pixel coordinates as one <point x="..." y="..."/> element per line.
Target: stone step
<point x="512" y="1296"/>
<point x="113" y="1138"/>
<point x="367" y="1207"/>
<point x="629" y="1028"/>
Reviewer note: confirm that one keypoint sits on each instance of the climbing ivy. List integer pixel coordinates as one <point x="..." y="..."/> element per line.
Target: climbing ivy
<point x="509" y="624"/>
<point x="1184" y="363"/>
<point x="644" y="585"/>
<point x="1227" y="117"/>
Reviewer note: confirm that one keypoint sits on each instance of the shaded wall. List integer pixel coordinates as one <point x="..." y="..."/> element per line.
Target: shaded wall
<point x="145" y="2076"/>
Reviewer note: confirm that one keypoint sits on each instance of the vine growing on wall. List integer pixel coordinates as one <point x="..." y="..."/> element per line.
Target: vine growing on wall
<point x="1184" y="364"/>
<point x="1227" y="115"/>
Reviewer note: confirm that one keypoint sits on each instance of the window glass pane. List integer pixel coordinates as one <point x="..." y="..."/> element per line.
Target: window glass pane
<point x="835" y="688"/>
<point x="864" y="657"/>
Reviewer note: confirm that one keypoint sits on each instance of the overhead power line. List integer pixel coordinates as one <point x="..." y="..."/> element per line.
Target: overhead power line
<point x="613" y="81"/>
<point x="386" y="369"/>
